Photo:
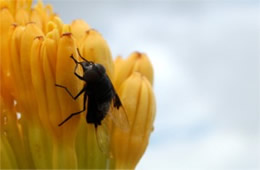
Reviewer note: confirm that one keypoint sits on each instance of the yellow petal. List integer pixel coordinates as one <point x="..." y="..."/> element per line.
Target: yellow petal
<point x="31" y="31"/>
<point x="118" y="64"/>
<point x="22" y="16"/>
<point x="66" y="29"/>
<point x="20" y="97"/>
<point x="65" y="77"/>
<point x="35" y="17"/>
<point x="79" y="28"/>
<point x="52" y="31"/>
<point x="26" y="4"/>
<point x="6" y="78"/>
<point x="6" y="19"/>
<point x="143" y="65"/>
<point x="45" y="14"/>
<point x="58" y="23"/>
<point x="136" y="62"/>
<point x="16" y="68"/>
<point x="5" y="4"/>
<point x="95" y="48"/>
<point x="88" y="152"/>
<point x="64" y="154"/>
<point x="49" y="67"/>
<point x="10" y="5"/>
<point x="38" y="80"/>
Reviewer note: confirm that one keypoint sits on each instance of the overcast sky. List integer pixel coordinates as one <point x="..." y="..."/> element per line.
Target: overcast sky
<point x="206" y="63"/>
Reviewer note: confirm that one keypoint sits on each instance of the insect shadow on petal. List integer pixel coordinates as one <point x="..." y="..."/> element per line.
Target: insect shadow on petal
<point x="102" y="100"/>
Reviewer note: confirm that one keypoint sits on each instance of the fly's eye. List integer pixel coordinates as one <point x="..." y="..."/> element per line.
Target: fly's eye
<point x="89" y="67"/>
<point x="86" y="66"/>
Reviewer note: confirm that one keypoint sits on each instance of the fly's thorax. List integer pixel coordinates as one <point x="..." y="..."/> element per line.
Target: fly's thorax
<point x="100" y="68"/>
<point x="102" y="91"/>
<point x="91" y="76"/>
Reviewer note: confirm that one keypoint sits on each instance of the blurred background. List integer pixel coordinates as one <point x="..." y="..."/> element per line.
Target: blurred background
<point x="206" y="62"/>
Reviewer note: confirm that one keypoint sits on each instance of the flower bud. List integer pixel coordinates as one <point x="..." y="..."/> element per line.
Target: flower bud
<point x="138" y="99"/>
<point x="136" y="62"/>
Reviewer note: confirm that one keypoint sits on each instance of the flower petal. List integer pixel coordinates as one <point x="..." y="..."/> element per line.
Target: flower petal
<point x="95" y="48"/>
<point x="136" y="62"/>
<point x="78" y="29"/>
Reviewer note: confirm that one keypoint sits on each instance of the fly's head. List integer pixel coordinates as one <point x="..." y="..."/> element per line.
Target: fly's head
<point x="86" y="66"/>
<point x="92" y="71"/>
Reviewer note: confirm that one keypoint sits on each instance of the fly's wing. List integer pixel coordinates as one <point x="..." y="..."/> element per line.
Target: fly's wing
<point x="103" y="139"/>
<point x="118" y="113"/>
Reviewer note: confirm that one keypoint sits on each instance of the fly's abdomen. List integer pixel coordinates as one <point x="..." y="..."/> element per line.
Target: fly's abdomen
<point x="100" y="94"/>
<point x="98" y="106"/>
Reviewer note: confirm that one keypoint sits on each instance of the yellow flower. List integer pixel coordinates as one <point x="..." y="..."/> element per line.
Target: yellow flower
<point x="35" y="55"/>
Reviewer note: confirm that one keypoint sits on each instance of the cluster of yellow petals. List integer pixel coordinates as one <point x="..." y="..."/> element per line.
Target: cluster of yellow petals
<point x="35" y="50"/>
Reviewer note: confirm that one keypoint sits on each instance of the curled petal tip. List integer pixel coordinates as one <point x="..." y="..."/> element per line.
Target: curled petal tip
<point x="31" y="22"/>
<point x="136" y="62"/>
<point x="39" y="37"/>
<point x="66" y="34"/>
<point x="91" y="30"/>
<point x="14" y="25"/>
<point x="138" y="54"/>
<point x="4" y="8"/>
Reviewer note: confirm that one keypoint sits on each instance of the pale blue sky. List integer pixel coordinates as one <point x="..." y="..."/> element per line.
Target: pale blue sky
<point x="206" y="62"/>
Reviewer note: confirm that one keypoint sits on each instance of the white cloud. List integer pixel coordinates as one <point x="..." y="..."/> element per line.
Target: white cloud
<point x="215" y="151"/>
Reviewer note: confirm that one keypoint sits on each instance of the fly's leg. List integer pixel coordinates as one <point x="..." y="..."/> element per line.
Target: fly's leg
<point x="81" y="78"/>
<point x="81" y="56"/>
<point x="90" y="62"/>
<point x="74" y="97"/>
<point x="76" y="113"/>
<point x="75" y="69"/>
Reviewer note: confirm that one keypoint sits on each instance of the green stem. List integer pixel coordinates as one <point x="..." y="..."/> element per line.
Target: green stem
<point x="64" y="155"/>
<point x="40" y="145"/>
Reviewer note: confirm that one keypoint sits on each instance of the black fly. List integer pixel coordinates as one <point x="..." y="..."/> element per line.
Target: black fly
<point x="102" y="99"/>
